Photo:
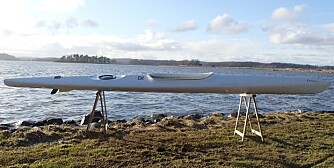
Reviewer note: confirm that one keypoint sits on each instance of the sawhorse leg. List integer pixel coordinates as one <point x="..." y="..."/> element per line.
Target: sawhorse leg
<point x="99" y="96"/>
<point x="243" y="97"/>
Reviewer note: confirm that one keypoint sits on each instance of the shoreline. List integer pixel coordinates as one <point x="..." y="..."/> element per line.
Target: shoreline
<point x="290" y="140"/>
<point x="149" y="119"/>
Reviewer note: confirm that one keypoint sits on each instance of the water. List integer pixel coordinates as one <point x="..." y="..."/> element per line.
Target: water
<point x="38" y="104"/>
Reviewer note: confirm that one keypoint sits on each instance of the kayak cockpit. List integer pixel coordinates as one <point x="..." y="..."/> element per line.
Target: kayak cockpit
<point x="107" y="77"/>
<point x="197" y="76"/>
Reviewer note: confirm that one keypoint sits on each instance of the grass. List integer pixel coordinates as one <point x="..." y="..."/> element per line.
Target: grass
<point x="291" y="140"/>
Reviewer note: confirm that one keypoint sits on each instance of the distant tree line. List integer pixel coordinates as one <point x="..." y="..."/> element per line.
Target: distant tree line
<point x="193" y="62"/>
<point x="264" y="65"/>
<point x="76" y="58"/>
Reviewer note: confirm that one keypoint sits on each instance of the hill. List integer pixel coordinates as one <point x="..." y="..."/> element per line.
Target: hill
<point x="4" y="56"/>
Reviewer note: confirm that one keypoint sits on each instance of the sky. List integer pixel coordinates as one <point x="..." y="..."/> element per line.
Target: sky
<point x="208" y="30"/>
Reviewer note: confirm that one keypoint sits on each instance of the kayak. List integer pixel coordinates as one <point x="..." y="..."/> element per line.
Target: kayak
<point x="177" y="83"/>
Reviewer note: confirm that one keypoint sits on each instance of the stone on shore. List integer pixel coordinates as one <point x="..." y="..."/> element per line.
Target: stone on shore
<point x="26" y="123"/>
<point x="54" y="121"/>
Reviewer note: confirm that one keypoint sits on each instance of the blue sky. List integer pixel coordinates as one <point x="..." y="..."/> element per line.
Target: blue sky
<point x="213" y="30"/>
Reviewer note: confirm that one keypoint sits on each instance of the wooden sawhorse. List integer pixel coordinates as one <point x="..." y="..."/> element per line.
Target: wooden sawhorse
<point x="100" y="96"/>
<point x="251" y="98"/>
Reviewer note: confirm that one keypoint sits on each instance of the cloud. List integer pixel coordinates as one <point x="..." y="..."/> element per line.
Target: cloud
<point x="187" y="26"/>
<point x="301" y="38"/>
<point x="227" y="25"/>
<point x="152" y="22"/>
<point x="59" y="5"/>
<point x="71" y="22"/>
<point x="220" y="50"/>
<point x="328" y="27"/>
<point x="59" y="27"/>
<point x="90" y="23"/>
<point x="7" y="32"/>
<point x="297" y="33"/>
<point x="286" y="28"/>
<point x="129" y="46"/>
<point x="285" y="14"/>
<point x="151" y="36"/>
<point x="54" y="25"/>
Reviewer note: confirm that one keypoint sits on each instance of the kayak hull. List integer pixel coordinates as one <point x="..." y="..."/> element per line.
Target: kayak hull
<point x="177" y="83"/>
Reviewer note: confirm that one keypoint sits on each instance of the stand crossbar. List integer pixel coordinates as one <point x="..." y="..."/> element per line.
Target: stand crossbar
<point x="100" y="96"/>
<point x="251" y="98"/>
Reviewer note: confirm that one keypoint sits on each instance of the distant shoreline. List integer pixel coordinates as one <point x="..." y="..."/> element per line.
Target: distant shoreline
<point x="275" y="66"/>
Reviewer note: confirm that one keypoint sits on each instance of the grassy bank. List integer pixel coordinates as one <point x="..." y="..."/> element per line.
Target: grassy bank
<point x="291" y="140"/>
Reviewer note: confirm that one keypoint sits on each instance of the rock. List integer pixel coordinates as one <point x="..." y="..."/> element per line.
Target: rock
<point x="171" y="122"/>
<point x="181" y="116"/>
<point x="39" y="123"/>
<point x="138" y="119"/>
<point x="71" y="122"/>
<point x="26" y="123"/>
<point x="4" y="127"/>
<point x="157" y="120"/>
<point x="54" y="121"/>
<point x="197" y="116"/>
<point x="217" y="115"/>
<point x="157" y="117"/>
<point x="150" y="119"/>
<point x="121" y="121"/>
<point x="97" y="117"/>
<point x="142" y="119"/>
<point x="7" y="125"/>
<point x="193" y="117"/>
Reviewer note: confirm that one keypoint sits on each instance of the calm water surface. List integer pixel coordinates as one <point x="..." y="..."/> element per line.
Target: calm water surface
<point x="36" y="104"/>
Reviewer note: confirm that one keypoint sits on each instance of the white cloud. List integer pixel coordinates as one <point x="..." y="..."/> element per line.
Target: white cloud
<point x="151" y="36"/>
<point x="71" y="22"/>
<point x="285" y="14"/>
<point x="63" y="27"/>
<point x="328" y="27"/>
<point x="187" y="26"/>
<point x="59" y="5"/>
<point x="226" y="24"/>
<point x="301" y="38"/>
<point x="7" y="32"/>
<point x="286" y="28"/>
<point x="90" y="23"/>
<point x="48" y="45"/>
<point x="13" y="16"/>
<point x="218" y="50"/>
<point x="152" y="22"/>
<point x="296" y="33"/>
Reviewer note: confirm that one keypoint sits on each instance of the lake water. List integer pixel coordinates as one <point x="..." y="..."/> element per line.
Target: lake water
<point x="37" y="104"/>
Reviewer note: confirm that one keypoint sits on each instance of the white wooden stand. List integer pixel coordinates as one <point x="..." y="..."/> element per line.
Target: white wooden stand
<point x="251" y="98"/>
<point x="99" y="96"/>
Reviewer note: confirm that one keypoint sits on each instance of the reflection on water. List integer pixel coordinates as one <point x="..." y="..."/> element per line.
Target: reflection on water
<point x="37" y="104"/>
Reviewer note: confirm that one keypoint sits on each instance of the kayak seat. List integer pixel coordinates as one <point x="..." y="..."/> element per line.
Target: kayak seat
<point x="197" y="76"/>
